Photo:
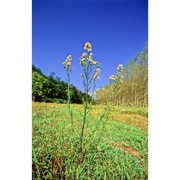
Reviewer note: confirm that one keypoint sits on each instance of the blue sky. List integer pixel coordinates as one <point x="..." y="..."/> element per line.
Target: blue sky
<point x="117" y="30"/>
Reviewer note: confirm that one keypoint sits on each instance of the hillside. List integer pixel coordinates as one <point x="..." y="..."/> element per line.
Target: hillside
<point x="52" y="89"/>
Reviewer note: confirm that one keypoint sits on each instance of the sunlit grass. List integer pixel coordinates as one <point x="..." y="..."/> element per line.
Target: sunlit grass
<point x="115" y="148"/>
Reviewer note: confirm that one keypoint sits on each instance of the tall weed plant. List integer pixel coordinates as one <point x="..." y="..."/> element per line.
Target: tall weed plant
<point x="90" y="75"/>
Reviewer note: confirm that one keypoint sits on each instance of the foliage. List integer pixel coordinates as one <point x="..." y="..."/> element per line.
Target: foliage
<point x="39" y="89"/>
<point x="52" y="89"/>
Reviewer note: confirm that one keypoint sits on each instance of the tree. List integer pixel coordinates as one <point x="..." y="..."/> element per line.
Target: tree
<point x="39" y="86"/>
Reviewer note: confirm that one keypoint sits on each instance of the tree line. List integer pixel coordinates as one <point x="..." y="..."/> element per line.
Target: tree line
<point x="52" y="89"/>
<point x="133" y="89"/>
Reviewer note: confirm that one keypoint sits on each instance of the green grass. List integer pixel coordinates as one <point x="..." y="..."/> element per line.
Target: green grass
<point x="112" y="149"/>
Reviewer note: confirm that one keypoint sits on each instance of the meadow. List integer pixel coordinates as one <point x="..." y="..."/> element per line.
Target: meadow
<point x="115" y="144"/>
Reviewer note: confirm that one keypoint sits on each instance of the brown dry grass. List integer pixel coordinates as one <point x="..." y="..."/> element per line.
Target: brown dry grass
<point x="125" y="147"/>
<point x="136" y="120"/>
<point x="131" y="119"/>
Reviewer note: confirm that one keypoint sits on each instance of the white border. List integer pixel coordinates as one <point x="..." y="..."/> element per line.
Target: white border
<point x="15" y="90"/>
<point x="164" y="90"/>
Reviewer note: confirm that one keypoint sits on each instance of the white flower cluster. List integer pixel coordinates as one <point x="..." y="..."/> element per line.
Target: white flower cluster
<point x="67" y="62"/>
<point x="119" y="76"/>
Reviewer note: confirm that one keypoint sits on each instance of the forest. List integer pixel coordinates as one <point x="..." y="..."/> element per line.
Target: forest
<point x="133" y="90"/>
<point x="52" y="89"/>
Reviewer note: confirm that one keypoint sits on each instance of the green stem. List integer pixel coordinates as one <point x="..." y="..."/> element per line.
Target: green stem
<point x="69" y="100"/>
<point x="85" y="107"/>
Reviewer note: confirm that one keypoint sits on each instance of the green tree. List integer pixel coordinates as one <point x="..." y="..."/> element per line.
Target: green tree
<point x="39" y="86"/>
<point x="52" y="89"/>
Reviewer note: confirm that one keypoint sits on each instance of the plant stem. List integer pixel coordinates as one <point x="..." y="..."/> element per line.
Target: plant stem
<point x="85" y="107"/>
<point x="69" y="100"/>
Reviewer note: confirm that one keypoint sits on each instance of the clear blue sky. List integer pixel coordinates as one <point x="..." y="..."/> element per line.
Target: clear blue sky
<point x="117" y="30"/>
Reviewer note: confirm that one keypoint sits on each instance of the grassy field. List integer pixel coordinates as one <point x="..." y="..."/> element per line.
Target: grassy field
<point x="115" y="147"/>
